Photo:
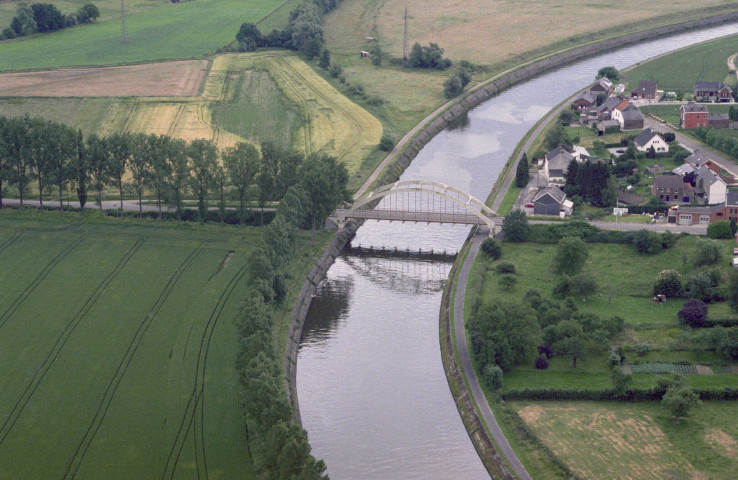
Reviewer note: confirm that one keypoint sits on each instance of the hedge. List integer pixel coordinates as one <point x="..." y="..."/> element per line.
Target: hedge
<point x="632" y="395"/>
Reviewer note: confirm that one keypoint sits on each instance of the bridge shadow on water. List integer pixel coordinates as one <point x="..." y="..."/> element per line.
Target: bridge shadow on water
<point x="403" y="272"/>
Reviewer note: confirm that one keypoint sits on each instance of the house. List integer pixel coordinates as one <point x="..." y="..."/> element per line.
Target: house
<point x="555" y="164"/>
<point x="608" y="126"/>
<point x="672" y="189"/>
<point x="710" y="187"/>
<point x="551" y="201"/>
<point x="731" y="206"/>
<point x="628" y="116"/>
<point x="693" y="115"/>
<point x="585" y="100"/>
<point x="647" y="139"/>
<point x="713" y="91"/>
<point x="699" y="159"/>
<point x="691" y="215"/>
<point x="581" y="154"/>
<point x="646" y="90"/>
<point x="603" y="85"/>
<point x="718" y="120"/>
<point x="604" y="111"/>
<point x="683" y="170"/>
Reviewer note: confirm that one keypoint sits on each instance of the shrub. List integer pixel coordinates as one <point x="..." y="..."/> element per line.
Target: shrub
<point x="507" y="281"/>
<point x="515" y="226"/>
<point x="708" y="253"/>
<point x="669" y="283"/>
<point x="493" y="377"/>
<point x="693" y="313"/>
<point x="492" y="248"/>
<point x="506" y="267"/>
<point x="645" y="242"/>
<point x="542" y="362"/>
<point x="701" y="287"/>
<point x="668" y="239"/>
<point x="641" y="349"/>
<point x="546" y="350"/>
<point x="336" y="70"/>
<point x="386" y="143"/>
<point x="719" y="229"/>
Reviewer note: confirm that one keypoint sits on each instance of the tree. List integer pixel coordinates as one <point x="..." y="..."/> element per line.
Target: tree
<point x="325" y="59"/>
<point x="242" y="164"/>
<point x="729" y="343"/>
<point x="557" y="136"/>
<point x="452" y="86"/>
<point x="221" y="181"/>
<point x="79" y="169"/>
<point x="48" y="18"/>
<point x="522" y="174"/>
<point x="693" y="313"/>
<point x="669" y="283"/>
<point x="179" y="173"/>
<point x="248" y="37"/>
<point x="492" y="247"/>
<point x="63" y="151"/>
<point x="507" y="281"/>
<point x="202" y="157"/>
<point x="88" y="13"/>
<point x="119" y="153"/>
<point x="582" y="285"/>
<point x="620" y="381"/>
<point x="720" y="229"/>
<point x="610" y="72"/>
<point x="701" y="287"/>
<point x="645" y="241"/>
<point x="324" y="180"/>
<point x="680" y="400"/>
<point x="97" y="160"/>
<point x="568" y="339"/>
<point x="601" y="97"/>
<point x="493" y="377"/>
<point x="571" y="254"/>
<point x="311" y="48"/>
<point x="733" y="290"/>
<point x="4" y="156"/>
<point x="707" y="253"/>
<point x="160" y="168"/>
<point x="503" y="333"/>
<point x="142" y="152"/>
<point x="267" y="176"/>
<point x="515" y="226"/>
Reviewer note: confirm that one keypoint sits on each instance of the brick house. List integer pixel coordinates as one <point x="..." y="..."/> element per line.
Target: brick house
<point x="646" y="90"/>
<point x="690" y="215"/>
<point x="693" y="115"/>
<point x="585" y="100"/>
<point x="713" y="91"/>
<point x="672" y="189"/>
<point x="603" y="85"/>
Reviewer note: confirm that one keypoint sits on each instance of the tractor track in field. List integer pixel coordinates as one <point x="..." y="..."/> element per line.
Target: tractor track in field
<point x="10" y="241"/>
<point x="112" y="388"/>
<point x="37" y="281"/>
<point x="51" y="357"/>
<point x="356" y="138"/>
<point x="194" y="411"/>
<point x="177" y="118"/>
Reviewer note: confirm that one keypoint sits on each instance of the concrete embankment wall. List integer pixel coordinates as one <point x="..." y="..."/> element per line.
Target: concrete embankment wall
<point x="340" y="240"/>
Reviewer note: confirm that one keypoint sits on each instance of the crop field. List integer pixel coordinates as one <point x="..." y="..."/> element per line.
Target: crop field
<point x="119" y="348"/>
<point x="679" y="70"/>
<point x="175" y="79"/>
<point x="637" y="440"/>
<point x="175" y="31"/>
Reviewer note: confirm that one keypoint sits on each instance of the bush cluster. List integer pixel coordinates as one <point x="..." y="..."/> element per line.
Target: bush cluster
<point x="45" y="17"/>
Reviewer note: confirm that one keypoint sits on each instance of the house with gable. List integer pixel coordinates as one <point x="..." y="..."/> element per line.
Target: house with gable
<point x="710" y="187"/>
<point x="585" y="101"/>
<point x="628" y="116"/>
<point x="699" y="159"/>
<point x="603" y="85"/>
<point x="672" y="189"/>
<point x="646" y="90"/>
<point x="647" y="139"/>
<point x="713" y="91"/>
<point x="695" y="115"/>
<point x="604" y="111"/>
<point x="555" y="164"/>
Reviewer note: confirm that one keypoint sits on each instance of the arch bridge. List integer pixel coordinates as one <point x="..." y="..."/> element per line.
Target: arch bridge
<point x="419" y="201"/>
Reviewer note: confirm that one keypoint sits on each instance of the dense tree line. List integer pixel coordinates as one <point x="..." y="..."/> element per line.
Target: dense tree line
<point x="713" y="138"/>
<point x="52" y="155"/>
<point x="45" y="17"/>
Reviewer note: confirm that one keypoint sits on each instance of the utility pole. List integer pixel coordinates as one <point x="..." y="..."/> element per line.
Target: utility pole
<point x="123" y="34"/>
<point x="404" y="38"/>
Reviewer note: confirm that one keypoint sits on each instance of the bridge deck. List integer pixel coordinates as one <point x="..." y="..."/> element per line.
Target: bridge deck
<point x="425" y="217"/>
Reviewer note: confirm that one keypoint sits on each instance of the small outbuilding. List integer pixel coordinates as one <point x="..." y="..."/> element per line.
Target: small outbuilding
<point x="549" y="201"/>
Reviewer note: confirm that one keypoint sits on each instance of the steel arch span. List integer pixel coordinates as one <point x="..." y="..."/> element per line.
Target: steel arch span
<point x="476" y="211"/>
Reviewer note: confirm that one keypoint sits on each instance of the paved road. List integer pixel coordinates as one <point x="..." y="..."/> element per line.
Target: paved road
<point x="466" y="364"/>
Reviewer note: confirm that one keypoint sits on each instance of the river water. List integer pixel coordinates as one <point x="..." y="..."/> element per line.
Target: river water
<point x="372" y="390"/>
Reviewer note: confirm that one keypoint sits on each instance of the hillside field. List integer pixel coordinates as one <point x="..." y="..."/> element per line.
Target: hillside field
<point x="119" y="348"/>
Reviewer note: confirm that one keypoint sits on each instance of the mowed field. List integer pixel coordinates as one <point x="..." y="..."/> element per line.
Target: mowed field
<point x="637" y="441"/>
<point x="108" y="8"/>
<point x="679" y="70"/>
<point x="118" y="349"/>
<point x="175" y="31"/>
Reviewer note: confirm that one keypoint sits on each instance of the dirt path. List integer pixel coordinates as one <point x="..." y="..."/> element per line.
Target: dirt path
<point x="731" y="63"/>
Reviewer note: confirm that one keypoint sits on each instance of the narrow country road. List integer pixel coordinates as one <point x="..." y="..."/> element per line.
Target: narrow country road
<point x="466" y="364"/>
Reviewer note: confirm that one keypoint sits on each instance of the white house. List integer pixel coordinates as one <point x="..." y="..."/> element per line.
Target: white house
<point x="555" y="164"/>
<point x="709" y="186"/>
<point x="647" y="139"/>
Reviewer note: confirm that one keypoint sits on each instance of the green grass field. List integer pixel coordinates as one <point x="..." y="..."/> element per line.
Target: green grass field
<point x="679" y="70"/>
<point x="636" y="440"/>
<point x="182" y="30"/>
<point x="86" y="114"/>
<point x="108" y="8"/>
<point x="119" y="348"/>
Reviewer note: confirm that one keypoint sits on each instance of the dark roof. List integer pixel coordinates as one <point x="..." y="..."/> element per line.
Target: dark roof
<point x="732" y="198"/>
<point x="644" y="137"/>
<point x="587" y="96"/>
<point x="706" y="209"/>
<point x="717" y="116"/>
<point x="559" y="158"/>
<point x="710" y="86"/>
<point x="646" y="86"/>
<point x="697" y="158"/>
<point x="692" y="107"/>
<point x="631" y="112"/>
<point x="555" y="192"/>
<point x="668" y="181"/>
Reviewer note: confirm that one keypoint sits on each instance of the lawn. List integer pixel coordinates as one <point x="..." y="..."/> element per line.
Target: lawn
<point x="679" y="70"/>
<point x="119" y="346"/>
<point x="174" y="31"/>
<point x="636" y="440"/>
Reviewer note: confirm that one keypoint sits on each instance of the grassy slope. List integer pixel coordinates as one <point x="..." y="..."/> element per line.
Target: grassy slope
<point x="184" y="30"/>
<point x="636" y="440"/>
<point x="143" y="418"/>
<point x="679" y="70"/>
<point x="108" y="8"/>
